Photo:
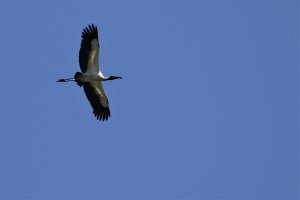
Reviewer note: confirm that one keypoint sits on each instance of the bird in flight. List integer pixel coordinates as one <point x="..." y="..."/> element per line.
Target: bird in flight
<point x="90" y="77"/>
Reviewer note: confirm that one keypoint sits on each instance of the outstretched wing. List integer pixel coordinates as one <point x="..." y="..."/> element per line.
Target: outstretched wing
<point x="95" y="93"/>
<point x="89" y="49"/>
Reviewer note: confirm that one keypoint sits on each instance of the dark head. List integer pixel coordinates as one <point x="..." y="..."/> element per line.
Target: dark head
<point x="114" y="77"/>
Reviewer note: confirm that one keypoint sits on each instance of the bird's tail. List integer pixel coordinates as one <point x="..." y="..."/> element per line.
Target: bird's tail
<point x="77" y="77"/>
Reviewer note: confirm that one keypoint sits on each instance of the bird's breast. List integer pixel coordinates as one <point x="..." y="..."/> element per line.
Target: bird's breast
<point x="92" y="76"/>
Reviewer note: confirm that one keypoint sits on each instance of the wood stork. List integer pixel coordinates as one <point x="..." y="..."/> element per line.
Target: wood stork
<point x="90" y="76"/>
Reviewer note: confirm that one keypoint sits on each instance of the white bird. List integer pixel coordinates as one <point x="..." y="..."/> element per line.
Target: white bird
<point x="90" y="77"/>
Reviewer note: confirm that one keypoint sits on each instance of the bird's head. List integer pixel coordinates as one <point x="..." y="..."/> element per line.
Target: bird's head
<point x="114" y="77"/>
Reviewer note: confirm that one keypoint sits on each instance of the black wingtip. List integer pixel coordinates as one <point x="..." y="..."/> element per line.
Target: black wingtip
<point x="102" y="116"/>
<point x="61" y="80"/>
<point x="90" y="31"/>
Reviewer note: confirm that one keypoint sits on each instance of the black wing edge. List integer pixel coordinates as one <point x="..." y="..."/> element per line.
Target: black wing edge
<point x="100" y="112"/>
<point x="88" y="34"/>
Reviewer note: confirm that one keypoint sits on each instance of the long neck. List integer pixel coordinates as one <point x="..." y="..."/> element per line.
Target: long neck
<point x="111" y="78"/>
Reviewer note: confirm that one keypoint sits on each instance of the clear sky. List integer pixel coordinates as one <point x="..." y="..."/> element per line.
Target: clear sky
<point x="208" y="107"/>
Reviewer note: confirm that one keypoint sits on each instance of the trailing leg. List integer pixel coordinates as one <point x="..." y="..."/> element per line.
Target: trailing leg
<point x="65" y="80"/>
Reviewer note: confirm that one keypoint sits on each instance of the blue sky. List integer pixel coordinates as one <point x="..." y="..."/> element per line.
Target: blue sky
<point x="208" y="107"/>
